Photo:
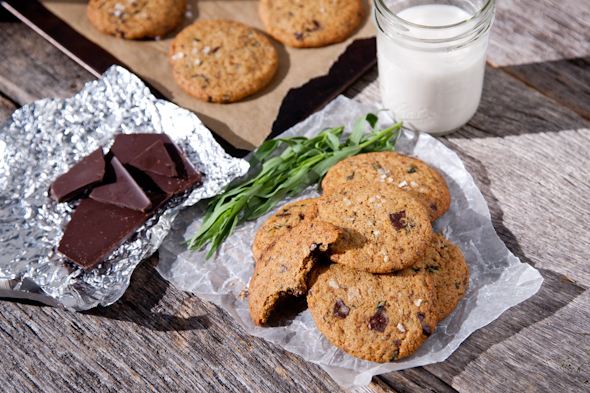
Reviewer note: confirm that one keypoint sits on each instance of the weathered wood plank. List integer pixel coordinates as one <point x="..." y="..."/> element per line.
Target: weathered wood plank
<point x="531" y="31"/>
<point x="565" y="81"/>
<point x="31" y="69"/>
<point x="155" y="338"/>
<point x="6" y="108"/>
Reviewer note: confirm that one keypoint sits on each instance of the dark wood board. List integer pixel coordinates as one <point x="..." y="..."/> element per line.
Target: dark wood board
<point x="298" y="104"/>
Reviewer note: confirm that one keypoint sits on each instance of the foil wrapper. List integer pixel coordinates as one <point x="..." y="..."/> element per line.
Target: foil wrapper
<point x="42" y="141"/>
<point x="498" y="279"/>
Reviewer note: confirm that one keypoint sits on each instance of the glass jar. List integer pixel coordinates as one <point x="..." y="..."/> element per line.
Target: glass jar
<point x="431" y="57"/>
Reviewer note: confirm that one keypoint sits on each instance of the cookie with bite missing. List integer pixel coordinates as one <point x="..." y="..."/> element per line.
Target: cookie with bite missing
<point x="384" y="229"/>
<point x="376" y="317"/>
<point x="311" y="23"/>
<point x="136" y="19"/>
<point x="399" y="171"/>
<point x="284" y="268"/>
<point x="280" y="223"/>
<point x="222" y="61"/>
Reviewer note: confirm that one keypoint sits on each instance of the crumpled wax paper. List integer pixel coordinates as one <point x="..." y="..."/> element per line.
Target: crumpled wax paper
<point x="498" y="279"/>
<point x="43" y="140"/>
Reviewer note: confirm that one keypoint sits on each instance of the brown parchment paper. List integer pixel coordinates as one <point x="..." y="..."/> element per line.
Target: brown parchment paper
<point x="244" y="124"/>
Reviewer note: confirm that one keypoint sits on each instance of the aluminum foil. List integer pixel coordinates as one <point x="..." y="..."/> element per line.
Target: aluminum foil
<point x="498" y="279"/>
<point x="42" y="141"/>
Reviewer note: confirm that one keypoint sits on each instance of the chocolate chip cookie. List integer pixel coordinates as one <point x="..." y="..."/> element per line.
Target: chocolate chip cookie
<point x="136" y="19"/>
<point x="385" y="229"/>
<point x="444" y="262"/>
<point x="222" y="61"/>
<point x="311" y="23"/>
<point x="399" y="171"/>
<point x="376" y="317"/>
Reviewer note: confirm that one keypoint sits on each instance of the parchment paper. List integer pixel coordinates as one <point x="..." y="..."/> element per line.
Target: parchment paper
<point x="498" y="279"/>
<point x="244" y="124"/>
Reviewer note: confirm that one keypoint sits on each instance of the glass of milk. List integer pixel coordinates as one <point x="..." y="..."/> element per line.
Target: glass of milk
<point x="431" y="57"/>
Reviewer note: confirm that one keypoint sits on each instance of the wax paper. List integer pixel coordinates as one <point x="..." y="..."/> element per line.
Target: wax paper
<point x="498" y="279"/>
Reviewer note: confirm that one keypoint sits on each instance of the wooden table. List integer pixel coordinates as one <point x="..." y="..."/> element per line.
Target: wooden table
<point x="528" y="149"/>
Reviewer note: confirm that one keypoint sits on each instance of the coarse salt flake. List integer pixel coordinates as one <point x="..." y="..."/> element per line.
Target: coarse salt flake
<point x="418" y="302"/>
<point x="389" y="179"/>
<point x="353" y="293"/>
<point x="414" y="184"/>
<point x="401" y="328"/>
<point x="333" y="283"/>
<point x="197" y="62"/>
<point x="206" y="49"/>
<point x="119" y="6"/>
<point x="402" y="184"/>
<point x="177" y="56"/>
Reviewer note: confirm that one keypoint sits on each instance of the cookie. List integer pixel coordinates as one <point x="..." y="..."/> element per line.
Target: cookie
<point x="222" y="61"/>
<point x="280" y="223"/>
<point x="385" y="229"/>
<point x="376" y="317"/>
<point x="311" y="23"/>
<point x="136" y="19"/>
<point x="424" y="183"/>
<point x="444" y="262"/>
<point x="284" y="268"/>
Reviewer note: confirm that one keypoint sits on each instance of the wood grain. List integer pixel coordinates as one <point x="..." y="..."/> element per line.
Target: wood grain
<point x="6" y="108"/>
<point x="528" y="149"/>
<point x="49" y="73"/>
<point x="532" y="31"/>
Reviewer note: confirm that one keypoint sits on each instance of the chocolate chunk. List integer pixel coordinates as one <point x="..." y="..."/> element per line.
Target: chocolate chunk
<point x="341" y="310"/>
<point x="81" y="177"/>
<point x="155" y="159"/>
<point x="420" y="316"/>
<point x="96" y="229"/>
<point x="128" y="146"/>
<point x="427" y="330"/>
<point x="398" y="220"/>
<point x="379" y="321"/>
<point x="121" y="189"/>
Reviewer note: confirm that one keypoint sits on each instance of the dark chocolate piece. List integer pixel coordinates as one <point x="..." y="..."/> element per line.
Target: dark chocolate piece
<point x="155" y="159"/>
<point x="128" y="146"/>
<point x="121" y="189"/>
<point x="82" y="176"/>
<point x="96" y="229"/>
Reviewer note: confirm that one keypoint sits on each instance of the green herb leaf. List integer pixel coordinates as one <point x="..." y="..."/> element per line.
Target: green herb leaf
<point x="303" y="162"/>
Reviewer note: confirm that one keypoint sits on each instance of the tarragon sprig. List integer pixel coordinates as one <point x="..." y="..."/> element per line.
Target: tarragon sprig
<point x="303" y="162"/>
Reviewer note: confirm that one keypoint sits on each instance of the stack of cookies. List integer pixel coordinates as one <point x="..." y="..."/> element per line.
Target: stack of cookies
<point x="377" y="278"/>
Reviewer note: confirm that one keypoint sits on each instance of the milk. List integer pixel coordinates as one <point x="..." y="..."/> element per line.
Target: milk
<point x="429" y="82"/>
